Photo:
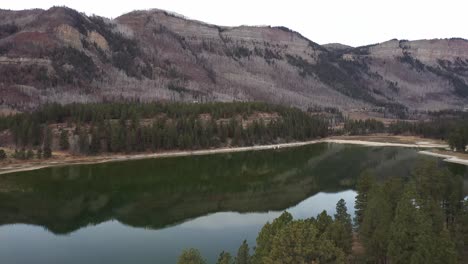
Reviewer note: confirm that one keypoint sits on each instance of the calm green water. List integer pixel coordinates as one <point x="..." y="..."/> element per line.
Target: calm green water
<point x="148" y="211"/>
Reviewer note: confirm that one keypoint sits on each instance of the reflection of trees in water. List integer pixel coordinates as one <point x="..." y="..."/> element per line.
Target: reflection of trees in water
<point x="159" y="192"/>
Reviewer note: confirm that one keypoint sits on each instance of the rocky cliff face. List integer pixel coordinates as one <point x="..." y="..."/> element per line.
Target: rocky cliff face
<point x="64" y="56"/>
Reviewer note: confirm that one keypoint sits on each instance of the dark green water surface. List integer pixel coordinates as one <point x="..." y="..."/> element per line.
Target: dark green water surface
<point x="148" y="211"/>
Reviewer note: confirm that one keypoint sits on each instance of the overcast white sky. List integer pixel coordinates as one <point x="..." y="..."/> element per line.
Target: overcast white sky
<point x="352" y="22"/>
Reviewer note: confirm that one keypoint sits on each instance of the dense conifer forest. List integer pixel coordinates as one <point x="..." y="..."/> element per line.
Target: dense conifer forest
<point x="91" y="129"/>
<point x="451" y="126"/>
<point x="422" y="219"/>
<point x="129" y="127"/>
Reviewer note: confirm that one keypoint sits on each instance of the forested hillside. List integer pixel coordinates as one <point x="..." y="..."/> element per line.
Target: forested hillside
<point x="91" y="129"/>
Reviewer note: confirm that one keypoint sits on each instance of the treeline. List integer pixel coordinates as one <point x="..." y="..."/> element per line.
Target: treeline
<point x="423" y="219"/>
<point x="451" y="127"/>
<point x="363" y="127"/>
<point x="439" y="128"/>
<point x="89" y="112"/>
<point x="137" y="127"/>
<point x="315" y="240"/>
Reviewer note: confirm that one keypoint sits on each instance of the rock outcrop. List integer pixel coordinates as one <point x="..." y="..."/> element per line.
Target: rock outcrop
<point x="155" y="55"/>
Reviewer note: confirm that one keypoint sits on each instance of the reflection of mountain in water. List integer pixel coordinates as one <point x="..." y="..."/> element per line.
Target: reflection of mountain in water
<point x="158" y="192"/>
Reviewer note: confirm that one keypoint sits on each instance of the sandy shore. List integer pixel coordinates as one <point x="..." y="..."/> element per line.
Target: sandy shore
<point x="34" y="165"/>
<point x="446" y="157"/>
<point x="419" y="144"/>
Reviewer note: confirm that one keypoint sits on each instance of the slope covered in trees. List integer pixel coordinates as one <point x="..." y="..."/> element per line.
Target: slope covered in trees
<point x="285" y="240"/>
<point x="133" y="127"/>
<point x="422" y="219"/>
<point x="418" y="221"/>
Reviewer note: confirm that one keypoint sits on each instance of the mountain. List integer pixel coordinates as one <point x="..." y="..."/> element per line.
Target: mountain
<point x="64" y="56"/>
<point x="337" y="47"/>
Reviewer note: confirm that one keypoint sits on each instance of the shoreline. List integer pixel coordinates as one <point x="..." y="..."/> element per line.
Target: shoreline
<point x="445" y="157"/>
<point x="80" y="160"/>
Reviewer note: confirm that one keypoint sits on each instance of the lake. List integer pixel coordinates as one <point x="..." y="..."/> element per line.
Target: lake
<point x="148" y="211"/>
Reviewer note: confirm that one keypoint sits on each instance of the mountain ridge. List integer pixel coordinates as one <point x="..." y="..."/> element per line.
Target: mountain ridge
<point x="61" y="55"/>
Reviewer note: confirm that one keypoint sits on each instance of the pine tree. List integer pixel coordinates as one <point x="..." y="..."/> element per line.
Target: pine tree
<point x="445" y="249"/>
<point x="47" y="150"/>
<point x="267" y="234"/>
<point x="417" y="236"/>
<point x="83" y="141"/>
<point x="462" y="226"/>
<point x="323" y="222"/>
<point x="63" y="142"/>
<point x="364" y="185"/>
<point x="375" y="227"/>
<point x="95" y="145"/>
<point x="344" y="224"/>
<point x="191" y="256"/>
<point x="47" y="153"/>
<point x="224" y="258"/>
<point x="29" y="154"/>
<point x="116" y="139"/>
<point x="16" y="154"/>
<point x="39" y="153"/>
<point x="458" y="139"/>
<point x="243" y="254"/>
<point x="300" y="242"/>
<point x="405" y="229"/>
<point x="433" y="247"/>
<point x="393" y="190"/>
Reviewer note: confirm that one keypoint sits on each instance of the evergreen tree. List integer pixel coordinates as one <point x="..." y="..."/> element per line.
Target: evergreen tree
<point x="29" y="154"/>
<point x="438" y="187"/>
<point x="2" y="154"/>
<point x="337" y="234"/>
<point x="225" y="258"/>
<point x="191" y="256"/>
<point x="407" y="228"/>
<point x="364" y="185"/>
<point x="299" y="242"/>
<point x="95" y="145"/>
<point x="83" y="141"/>
<point x="433" y="247"/>
<point x="63" y="141"/>
<point x="19" y="154"/>
<point x="39" y="154"/>
<point x="393" y="190"/>
<point x="243" y="254"/>
<point x="445" y="249"/>
<point x="267" y="234"/>
<point x="375" y="227"/>
<point x="47" y="149"/>
<point x="413" y="236"/>
<point x="463" y="226"/>
<point x="323" y="222"/>
<point x="116" y="141"/>
<point x="345" y="231"/>
<point x="47" y="152"/>
<point x="458" y="139"/>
